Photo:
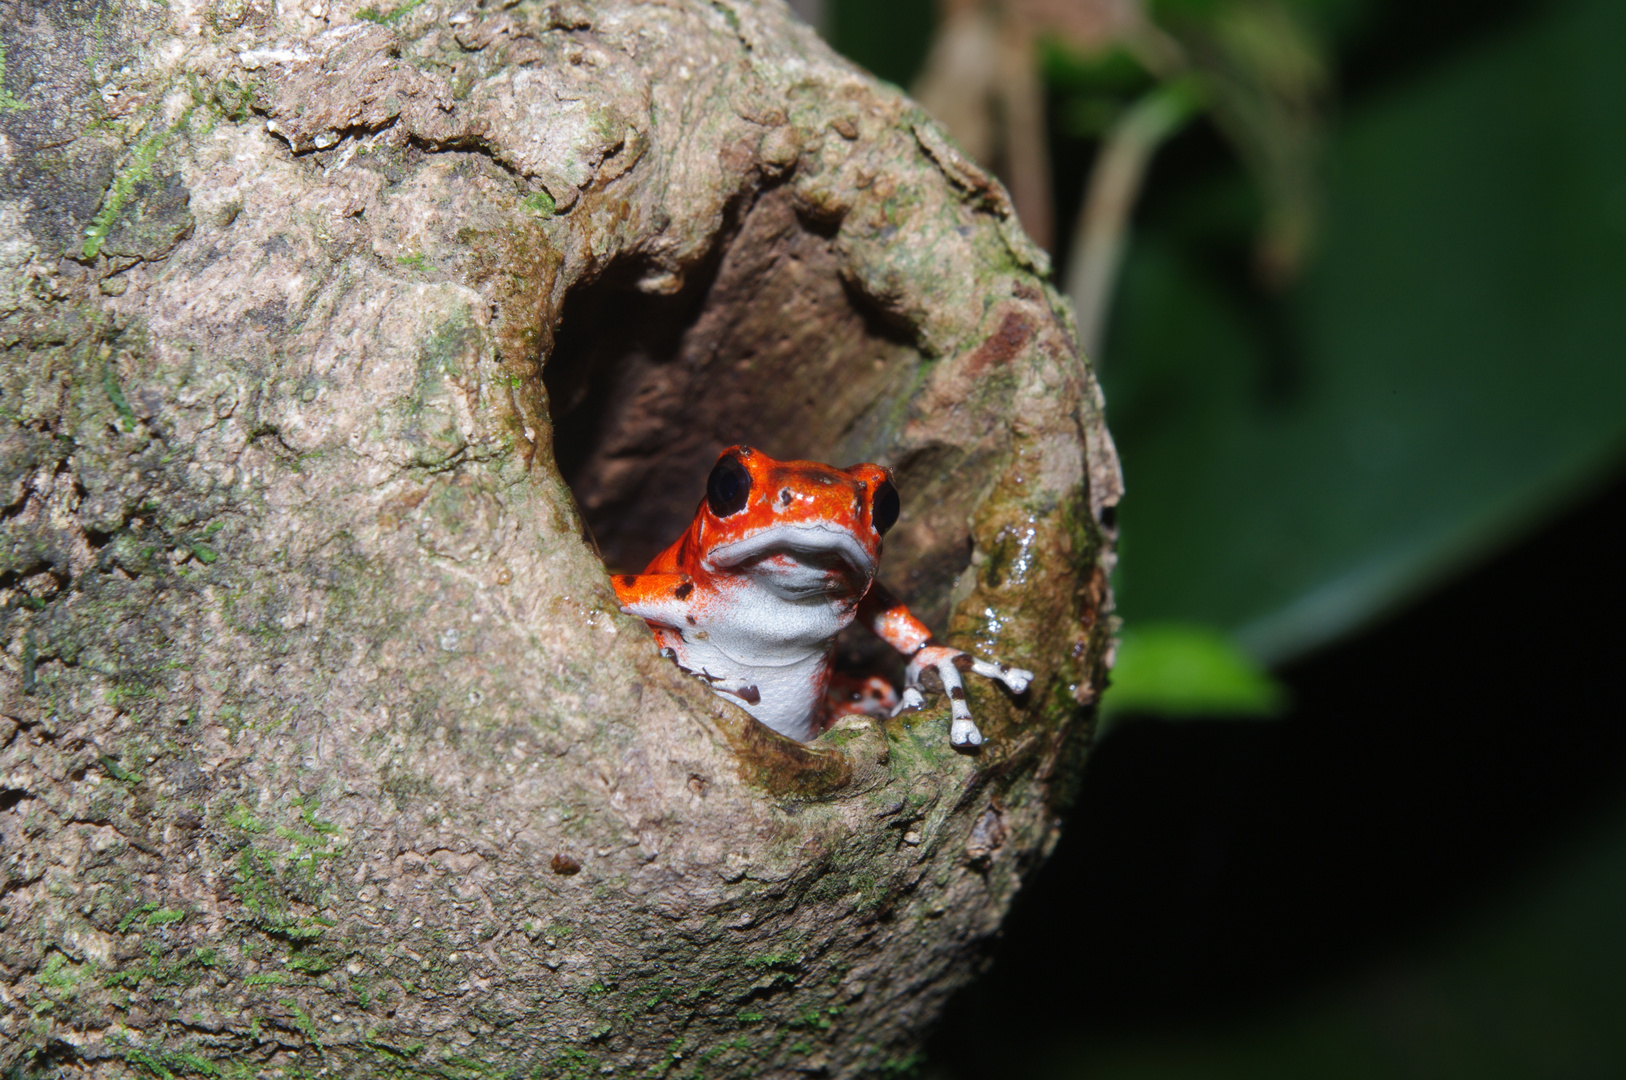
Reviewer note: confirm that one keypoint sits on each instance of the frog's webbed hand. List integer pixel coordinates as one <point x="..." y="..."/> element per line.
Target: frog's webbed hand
<point x="895" y="624"/>
<point x="948" y="663"/>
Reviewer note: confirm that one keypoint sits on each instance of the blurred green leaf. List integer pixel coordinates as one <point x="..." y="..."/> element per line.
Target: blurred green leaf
<point x="1177" y="669"/>
<point x="1450" y="370"/>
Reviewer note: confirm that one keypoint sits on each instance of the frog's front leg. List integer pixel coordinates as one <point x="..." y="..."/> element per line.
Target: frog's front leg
<point x="657" y="598"/>
<point x="669" y="603"/>
<point x="895" y="624"/>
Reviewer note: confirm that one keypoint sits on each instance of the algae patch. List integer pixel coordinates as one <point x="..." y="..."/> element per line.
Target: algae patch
<point x="140" y="169"/>
<point x="8" y="101"/>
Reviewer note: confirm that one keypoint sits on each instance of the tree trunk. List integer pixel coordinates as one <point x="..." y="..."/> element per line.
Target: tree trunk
<point x="344" y="350"/>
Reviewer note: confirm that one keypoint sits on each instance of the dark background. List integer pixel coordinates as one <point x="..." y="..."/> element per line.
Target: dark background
<point x="1437" y="775"/>
<point x="1419" y="868"/>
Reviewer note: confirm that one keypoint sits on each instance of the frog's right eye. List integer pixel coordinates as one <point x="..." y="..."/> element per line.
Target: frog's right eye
<point x="883" y="511"/>
<point x="728" y="488"/>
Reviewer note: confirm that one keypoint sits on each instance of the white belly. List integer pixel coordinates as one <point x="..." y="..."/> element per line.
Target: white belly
<point x="769" y="649"/>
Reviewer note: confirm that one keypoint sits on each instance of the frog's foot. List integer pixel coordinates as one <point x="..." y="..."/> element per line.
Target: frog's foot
<point x="1016" y="678"/>
<point x="849" y="695"/>
<point x="948" y="663"/>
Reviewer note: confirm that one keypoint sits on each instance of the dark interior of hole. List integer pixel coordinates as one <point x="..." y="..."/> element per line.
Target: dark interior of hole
<point x="612" y="340"/>
<point x="769" y="347"/>
<point x="626" y="409"/>
<point x="611" y="366"/>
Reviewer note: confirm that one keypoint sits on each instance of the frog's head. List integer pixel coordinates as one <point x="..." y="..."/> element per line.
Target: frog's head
<point x="799" y="528"/>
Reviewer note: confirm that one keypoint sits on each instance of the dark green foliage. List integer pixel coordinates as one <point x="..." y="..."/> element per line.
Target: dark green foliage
<point x="1434" y="384"/>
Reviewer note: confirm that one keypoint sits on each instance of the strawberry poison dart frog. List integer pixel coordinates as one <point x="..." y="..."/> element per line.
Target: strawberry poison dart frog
<point x="780" y="558"/>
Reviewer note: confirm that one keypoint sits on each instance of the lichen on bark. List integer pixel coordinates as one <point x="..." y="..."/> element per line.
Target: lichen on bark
<point x="343" y="349"/>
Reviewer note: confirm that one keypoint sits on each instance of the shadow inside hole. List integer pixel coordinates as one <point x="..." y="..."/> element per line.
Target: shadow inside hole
<point x="769" y="347"/>
<point x="612" y="432"/>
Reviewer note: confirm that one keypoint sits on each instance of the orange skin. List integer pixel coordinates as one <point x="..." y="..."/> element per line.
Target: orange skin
<point x="780" y="558"/>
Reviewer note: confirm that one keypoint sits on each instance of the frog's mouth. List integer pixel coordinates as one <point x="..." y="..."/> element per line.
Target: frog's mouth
<point x="800" y="561"/>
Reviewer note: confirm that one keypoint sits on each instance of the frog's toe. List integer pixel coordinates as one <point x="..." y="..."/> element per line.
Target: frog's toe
<point x="912" y="699"/>
<point x="1017" y="679"/>
<point x="963" y="732"/>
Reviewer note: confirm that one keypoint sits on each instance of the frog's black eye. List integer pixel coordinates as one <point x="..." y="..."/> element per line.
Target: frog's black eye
<point x="728" y="487"/>
<point x="883" y="508"/>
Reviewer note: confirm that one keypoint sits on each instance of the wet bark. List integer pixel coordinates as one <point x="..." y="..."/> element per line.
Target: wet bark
<point x="343" y="350"/>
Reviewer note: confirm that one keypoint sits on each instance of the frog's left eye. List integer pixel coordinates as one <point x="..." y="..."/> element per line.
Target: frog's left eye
<point x="883" y="508"/>
<point x="728" y="487"/>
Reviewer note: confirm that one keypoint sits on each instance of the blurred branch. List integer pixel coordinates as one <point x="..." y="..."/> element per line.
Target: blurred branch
<point x="1103" y="221"/>
<point x="812" y="12"/>
<point x="959" y="81"/>
<point x="1249" y="63"/>
<point x="982" y="81"/>
<point x="1027" y="143"/>
<point x="1265" y="78"/>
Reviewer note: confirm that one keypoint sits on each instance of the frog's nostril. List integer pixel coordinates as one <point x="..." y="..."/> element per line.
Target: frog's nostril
<point x="785" y="496"/>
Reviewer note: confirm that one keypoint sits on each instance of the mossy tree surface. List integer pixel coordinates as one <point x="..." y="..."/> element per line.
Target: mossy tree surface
<point x="323" y="746"/>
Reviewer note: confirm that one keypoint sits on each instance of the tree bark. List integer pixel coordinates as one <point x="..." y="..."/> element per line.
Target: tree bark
<point x="343" y="350"/>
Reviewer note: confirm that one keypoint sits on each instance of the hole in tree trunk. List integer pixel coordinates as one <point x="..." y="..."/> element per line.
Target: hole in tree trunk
<point x="771" y="349"/>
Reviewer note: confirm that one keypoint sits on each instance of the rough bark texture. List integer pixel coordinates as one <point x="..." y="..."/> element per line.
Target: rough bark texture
<point x="334" y="338"/>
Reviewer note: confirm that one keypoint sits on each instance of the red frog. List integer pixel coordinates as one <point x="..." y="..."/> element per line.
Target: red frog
<point x="780" y="558"/>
